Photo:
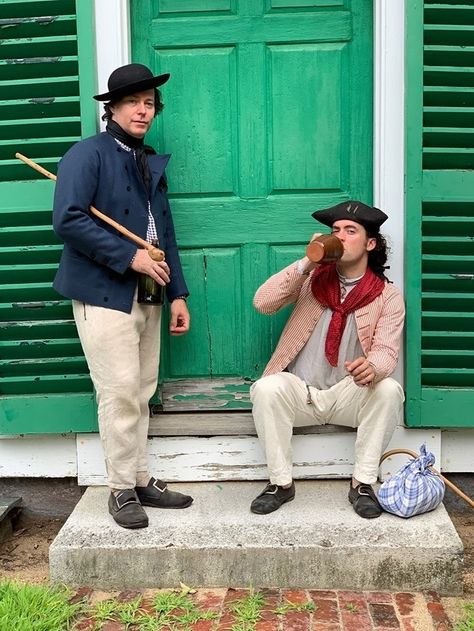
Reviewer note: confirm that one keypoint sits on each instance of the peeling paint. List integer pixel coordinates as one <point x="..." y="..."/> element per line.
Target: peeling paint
<point x="41" y="304"/>
<point x="42" y="101"/>
<point x="34" y="60"/>
<point x="42" y="20"/>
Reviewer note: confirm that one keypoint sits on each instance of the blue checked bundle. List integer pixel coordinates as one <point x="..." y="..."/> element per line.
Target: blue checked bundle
<point x="415" y="489"/>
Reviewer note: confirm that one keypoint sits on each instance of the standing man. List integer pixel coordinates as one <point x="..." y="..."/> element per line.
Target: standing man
<point x="99" y="269"/>
<point x="333" y="362"/>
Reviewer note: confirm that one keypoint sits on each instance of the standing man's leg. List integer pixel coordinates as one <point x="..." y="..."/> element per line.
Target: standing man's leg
<point x="150" y="491"/>
<point x="110" y="340"/>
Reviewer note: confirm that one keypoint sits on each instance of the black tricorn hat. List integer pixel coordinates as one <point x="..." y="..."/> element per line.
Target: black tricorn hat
<point x="368" y="216"/>
<point x="130" y="79"/>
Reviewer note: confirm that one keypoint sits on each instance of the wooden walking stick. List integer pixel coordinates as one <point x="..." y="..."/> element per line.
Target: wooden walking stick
<point x="155" y="253"/>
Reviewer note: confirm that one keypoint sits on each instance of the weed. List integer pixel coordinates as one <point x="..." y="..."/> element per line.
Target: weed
<point x="288" y="606"/>
<point x="467" y="624"/>
<point x="36" y="607"/>
<point x="247" y="611"/>
<point x="352" y="608"/>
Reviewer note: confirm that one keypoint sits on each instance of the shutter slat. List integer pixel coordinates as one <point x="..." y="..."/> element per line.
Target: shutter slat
<point x="41" y="348"/>
<point x="35" y="310"/>
<point x="38" y="26"/>
<point x="33" y="8"/>
<point x="37" y="88"/>
<point x="52" y="366"/>
<point x="449" y="96"/>
<point x="55" y="46"/>
<point x="449" y="76"/>
<point x="45" y="384"/>
<point x="40" y="107"/>
<point x="32" y="253"/>
<point x="17" y="332"/>
<point x="449" y="34"/>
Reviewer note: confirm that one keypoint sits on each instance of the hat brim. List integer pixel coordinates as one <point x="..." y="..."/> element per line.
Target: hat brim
<point x="132" y="88"/>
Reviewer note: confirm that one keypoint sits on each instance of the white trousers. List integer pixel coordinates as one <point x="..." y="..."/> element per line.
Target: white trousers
<point x="280" y="402"/>
<point x="122" y="351"/>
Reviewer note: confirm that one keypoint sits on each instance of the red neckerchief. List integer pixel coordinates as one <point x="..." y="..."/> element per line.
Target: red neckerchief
<point x="327" y="291"/>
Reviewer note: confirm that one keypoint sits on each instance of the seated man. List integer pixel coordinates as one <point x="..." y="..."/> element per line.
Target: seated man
<point x="333" y="362"/>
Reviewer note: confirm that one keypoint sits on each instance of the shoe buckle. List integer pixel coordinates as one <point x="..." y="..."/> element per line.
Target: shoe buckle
<point x="274" y="492"/>
<point x="158" y="488"/>
<point x="120" y="505"/>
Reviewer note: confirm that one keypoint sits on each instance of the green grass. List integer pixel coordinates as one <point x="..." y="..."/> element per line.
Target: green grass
<point x="36" y="608"/>
<point x="45" y="608"/>
<point x="467" y="623"/>
<point x="287" y="606"/>
<point x="247" y="611"/>
<point x="171" y="610"/>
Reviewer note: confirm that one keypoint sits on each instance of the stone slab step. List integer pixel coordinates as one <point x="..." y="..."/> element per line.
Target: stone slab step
<point x="316" y="541"/>
<point x="9" y="509"/>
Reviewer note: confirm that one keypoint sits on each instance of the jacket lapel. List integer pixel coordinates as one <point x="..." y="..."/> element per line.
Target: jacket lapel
<point x="157" y="167"/>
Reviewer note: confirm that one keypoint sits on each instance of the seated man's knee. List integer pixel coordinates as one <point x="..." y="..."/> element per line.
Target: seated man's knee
<point x="267" y="387"/>
<point x="388" y="388"/>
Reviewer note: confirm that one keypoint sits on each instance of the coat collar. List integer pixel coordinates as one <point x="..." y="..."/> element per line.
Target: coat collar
<point x="157" y="162"/>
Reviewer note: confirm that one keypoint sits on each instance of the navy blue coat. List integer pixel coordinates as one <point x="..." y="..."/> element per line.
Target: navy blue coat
<point x="94" y="265"/>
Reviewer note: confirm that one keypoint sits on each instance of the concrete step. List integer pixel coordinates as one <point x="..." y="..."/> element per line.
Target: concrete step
<point x="316" y="541"/>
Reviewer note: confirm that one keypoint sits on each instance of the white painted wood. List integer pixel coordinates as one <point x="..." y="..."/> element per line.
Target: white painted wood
<point x="389" y="125"/>
<point x="38" y="456"/>
<point x="410" y="438"/>
<point x="458" y="451"/>
<point x="112" y="35"/>
<point x="225" y="458"/>
<point x="55" y="456"/>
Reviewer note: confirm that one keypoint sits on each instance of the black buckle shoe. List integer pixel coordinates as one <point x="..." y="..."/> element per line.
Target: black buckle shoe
<point x="127" y="510"/>
<point x="157" y="495"/>
<point x="364" y="501"/>
<point x="271" y="498"/>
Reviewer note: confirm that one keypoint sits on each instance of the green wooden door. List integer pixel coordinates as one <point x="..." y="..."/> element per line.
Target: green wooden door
<point x="46" y="81"/>
<point x="268" y="116"/>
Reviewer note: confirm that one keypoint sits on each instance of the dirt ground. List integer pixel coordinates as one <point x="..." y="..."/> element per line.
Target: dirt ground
<point x="24" y="555"/>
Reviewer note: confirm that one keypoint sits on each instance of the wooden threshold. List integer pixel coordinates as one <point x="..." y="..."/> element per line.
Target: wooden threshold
<point x="221" y="424"/>
<point x="199" y="395"/>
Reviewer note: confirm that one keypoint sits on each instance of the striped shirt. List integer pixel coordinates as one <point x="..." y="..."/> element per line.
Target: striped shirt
<point x="379" y="324"/>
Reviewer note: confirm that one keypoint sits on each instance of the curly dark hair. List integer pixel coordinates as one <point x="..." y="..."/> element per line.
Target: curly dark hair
<point x="379" y="255"/>
<point x="107" y="115"/>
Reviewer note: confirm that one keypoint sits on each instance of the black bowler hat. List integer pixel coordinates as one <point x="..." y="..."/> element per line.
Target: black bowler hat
<point x="368" y="216"/>
<point x="130" y="79"/>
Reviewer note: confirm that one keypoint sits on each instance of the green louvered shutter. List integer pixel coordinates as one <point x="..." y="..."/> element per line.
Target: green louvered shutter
<point x="440" y="214"/>
<point x="46" y="81"/>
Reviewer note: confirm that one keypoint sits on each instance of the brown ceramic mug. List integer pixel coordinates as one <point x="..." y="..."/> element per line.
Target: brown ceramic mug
<point x="326" y="248"/>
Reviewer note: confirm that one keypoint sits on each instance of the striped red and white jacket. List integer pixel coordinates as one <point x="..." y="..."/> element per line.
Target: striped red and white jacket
<point x="379" y="324"/>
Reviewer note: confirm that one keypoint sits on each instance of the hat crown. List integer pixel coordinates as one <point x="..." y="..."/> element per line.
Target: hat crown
<point x="128" y="75"/>
<point x="352" y="210"/>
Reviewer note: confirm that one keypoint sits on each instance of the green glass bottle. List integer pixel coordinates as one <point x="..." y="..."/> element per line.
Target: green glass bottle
<point x="149" y="291"/>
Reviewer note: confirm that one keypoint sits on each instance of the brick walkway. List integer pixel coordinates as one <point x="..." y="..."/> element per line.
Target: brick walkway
<point x="329" y="610"/>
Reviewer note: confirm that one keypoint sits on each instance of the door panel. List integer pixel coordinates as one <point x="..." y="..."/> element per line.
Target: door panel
<point x="268" y="116"/>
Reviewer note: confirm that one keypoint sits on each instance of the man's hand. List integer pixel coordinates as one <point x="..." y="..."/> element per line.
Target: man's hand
<point x="308" y="266"/>
<point x="361" y="370"/>
<point x="144" y="264"/>
<point x="180" y="318"/>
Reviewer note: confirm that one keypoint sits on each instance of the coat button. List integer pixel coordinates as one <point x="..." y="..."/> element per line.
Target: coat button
<point x="129" y="188"/>
<point x="126" y="211"/>
<point x="106" y="299"/>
